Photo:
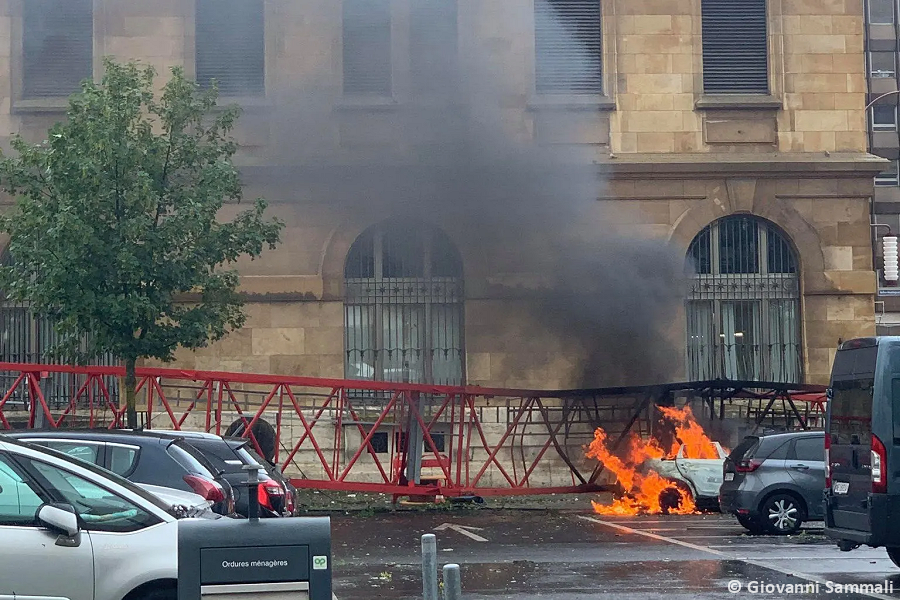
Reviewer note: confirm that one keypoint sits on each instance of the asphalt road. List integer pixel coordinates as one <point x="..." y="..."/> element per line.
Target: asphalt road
<point x="575" y="555"/>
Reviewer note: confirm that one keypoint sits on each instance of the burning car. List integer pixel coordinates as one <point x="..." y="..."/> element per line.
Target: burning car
<point x="702" y="477"/>
<point x="656" y="480"/>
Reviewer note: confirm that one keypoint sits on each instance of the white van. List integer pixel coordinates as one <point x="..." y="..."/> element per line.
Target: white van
<point x="73" y="531"/>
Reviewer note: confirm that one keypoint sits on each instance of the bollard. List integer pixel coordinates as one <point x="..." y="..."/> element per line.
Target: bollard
<point x="429" y="567"/>
<point x="252" y="491"/>
<point x="452" y="583"/>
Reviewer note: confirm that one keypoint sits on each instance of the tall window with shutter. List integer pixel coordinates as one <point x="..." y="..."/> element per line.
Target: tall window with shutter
<point x="231" y="47"/>
<point x="568" y="49"/>
<point x="433" y="47"/>
<point x="57" y="46"/>
<point x="735" y="47"/>
<point x="367" y="47"/>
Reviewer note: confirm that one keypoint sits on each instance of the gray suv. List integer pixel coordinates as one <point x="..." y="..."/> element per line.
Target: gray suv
<point x="774" y="483"/>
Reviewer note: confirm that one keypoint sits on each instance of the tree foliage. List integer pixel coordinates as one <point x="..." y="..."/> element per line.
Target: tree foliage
<point x="115" y="232"/>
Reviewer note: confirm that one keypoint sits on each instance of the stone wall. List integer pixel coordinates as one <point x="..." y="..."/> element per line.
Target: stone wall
<point x="670" y="160"/>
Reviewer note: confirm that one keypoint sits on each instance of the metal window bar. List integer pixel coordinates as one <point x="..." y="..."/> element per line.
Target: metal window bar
<point x="743" y="309"/>
<point x="404" y="308"/>
<point x="26" y="337"/>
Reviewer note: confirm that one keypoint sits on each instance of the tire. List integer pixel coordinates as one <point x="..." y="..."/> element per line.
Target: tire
<point x="782" y="514"/>
<point x="164" y="593"/>
<point x="750" y="524"/>
<point x="894" y="555"/>
<point x="262" y="431"/>
<point x="670" y="498"/>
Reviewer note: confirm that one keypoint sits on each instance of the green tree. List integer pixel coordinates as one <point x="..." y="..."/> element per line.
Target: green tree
<point x="116" y="235"/>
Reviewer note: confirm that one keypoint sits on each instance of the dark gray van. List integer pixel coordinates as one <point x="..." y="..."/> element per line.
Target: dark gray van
<point x="862" y="446"/>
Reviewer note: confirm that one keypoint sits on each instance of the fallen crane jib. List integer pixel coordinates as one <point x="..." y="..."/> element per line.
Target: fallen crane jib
<point x="448" y="491"/>
<point x="484" y="457"/>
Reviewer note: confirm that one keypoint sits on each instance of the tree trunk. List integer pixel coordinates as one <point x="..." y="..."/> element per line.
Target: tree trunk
<point x="130" y="393"/>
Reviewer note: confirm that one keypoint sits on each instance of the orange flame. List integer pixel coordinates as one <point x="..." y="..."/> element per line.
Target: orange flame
<point x="646" y="492"/>
<point x="696" y="443"/>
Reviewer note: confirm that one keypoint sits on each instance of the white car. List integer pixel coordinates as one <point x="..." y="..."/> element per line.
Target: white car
<point x="73" y="531"/>
<point x="182" y="504"/>
<point x="702" y="476"/>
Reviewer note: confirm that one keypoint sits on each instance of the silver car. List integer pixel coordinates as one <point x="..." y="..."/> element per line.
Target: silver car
<point x="774" y="483"/>
<point x="100" y="536"/>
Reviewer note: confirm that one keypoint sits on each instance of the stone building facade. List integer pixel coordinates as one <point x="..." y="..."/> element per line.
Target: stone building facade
<point x="731" y="132"/>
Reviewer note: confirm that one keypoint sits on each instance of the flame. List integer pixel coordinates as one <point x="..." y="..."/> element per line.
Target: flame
<point x="696" y="443"/>
<point x="645" y="491"/>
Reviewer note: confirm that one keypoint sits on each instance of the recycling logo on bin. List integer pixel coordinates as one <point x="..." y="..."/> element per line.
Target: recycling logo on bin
<point x="320" y="563"/>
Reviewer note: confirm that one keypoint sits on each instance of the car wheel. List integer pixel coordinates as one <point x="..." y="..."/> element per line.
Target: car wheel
<point x="894" y="555"/>
<point x="166" y="593"/>
<point x="750" y="524"/>
<point x="782" y="514"/>
<point x="671" y="497"/>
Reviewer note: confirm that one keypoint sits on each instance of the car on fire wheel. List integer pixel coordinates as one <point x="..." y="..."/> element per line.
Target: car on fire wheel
<point x="782" y="514"/>
<point x="672" y="498"/>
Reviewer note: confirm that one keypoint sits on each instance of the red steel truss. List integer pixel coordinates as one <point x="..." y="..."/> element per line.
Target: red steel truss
<point x="322" y="413"/>
<point x="474" y="441"/>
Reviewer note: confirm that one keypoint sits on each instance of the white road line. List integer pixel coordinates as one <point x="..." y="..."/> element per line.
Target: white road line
<point x="756" y="563"/>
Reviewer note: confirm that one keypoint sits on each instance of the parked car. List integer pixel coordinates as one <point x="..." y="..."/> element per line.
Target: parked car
<point x="96" y="534"/>
<point x="143" y="457"/>
<point x="774" y="483"/>
<point x="701" y="476"/>
<point x="230" y="455"/>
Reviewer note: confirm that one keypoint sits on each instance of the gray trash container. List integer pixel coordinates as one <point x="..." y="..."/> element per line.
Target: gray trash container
<point x="268" y="559"/>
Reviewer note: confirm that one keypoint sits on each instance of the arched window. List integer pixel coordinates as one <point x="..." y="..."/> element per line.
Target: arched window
<point x="743" y="312"/>
<point x="404" y="307"/>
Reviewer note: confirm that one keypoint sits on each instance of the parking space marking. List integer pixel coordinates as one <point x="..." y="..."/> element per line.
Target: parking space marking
<point x="726" y="555"/>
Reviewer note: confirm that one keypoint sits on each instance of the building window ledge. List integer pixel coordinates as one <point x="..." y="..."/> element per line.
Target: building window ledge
<point x="41" y="105"/>
<point x="365" y="103"/>
<point x="592" y="102"/>
<point x="739" y="102"/>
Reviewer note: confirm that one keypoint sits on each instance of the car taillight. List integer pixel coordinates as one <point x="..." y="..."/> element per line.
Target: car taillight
<point x="827" y="461"/>
<point x="210" y="490"/>
<point x="289" y="503"/>
<point x="879" y="466"/>
<point x="267" y="492"/>
<point x="748" y="466"/>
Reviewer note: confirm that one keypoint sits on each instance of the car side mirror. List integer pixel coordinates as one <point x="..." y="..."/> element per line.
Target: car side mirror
<point x="59" y="518"/>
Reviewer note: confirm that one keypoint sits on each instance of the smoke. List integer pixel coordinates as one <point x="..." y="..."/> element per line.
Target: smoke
<point x="456" y="148"/>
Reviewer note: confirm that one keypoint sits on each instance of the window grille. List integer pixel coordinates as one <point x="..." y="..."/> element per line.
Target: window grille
<point x="26" y="337"/>
<point x="404" y="307"/>
<point x="743" y="311"/>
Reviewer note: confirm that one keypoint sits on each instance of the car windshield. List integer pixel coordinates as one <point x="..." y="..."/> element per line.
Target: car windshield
<point x="117" y="479"/>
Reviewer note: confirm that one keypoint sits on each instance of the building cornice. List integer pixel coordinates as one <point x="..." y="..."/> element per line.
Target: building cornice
<point x="762" y="165"/>
<point x="705" y="165"/>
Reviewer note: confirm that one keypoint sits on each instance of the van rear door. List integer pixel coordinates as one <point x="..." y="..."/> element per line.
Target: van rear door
<point x="850" y="429"/>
